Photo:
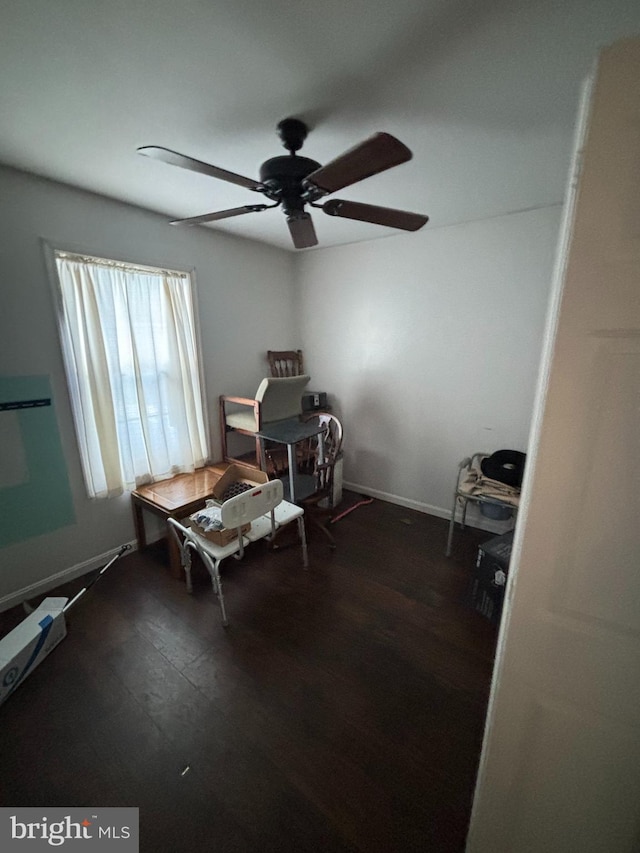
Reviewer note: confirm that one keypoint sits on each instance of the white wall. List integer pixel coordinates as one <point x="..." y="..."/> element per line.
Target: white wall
<point x="245" y="302"/>
<point x="429" y="344"/>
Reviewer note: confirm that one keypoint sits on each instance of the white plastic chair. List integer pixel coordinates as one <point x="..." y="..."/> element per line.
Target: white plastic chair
<point x="263" y="507"/>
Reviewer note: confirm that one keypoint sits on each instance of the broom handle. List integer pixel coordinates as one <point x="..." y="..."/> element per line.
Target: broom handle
<point x="117" y="556"/>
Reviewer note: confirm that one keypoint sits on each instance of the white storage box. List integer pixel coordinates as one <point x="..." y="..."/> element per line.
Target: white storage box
<point x="29" y="643"/>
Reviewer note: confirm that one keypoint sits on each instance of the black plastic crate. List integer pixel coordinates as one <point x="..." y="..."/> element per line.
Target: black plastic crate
<point x="490" y="576"/>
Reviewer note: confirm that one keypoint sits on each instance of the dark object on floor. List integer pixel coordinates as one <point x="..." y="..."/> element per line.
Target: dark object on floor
<point x="490" y="576"/>
<point x="505" y="466"/>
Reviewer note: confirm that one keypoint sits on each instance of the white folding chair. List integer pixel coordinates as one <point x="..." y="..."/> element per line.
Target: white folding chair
<point x="263" y="507"/>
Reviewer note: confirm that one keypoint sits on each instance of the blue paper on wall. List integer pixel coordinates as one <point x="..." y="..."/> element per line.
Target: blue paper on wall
<point x="35" y="495"/>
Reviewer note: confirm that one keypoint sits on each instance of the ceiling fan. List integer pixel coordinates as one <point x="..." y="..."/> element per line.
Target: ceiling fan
<point x="293" y="182"/>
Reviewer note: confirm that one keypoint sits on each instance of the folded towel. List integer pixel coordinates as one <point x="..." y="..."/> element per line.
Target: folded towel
<point x="475" y="483"/>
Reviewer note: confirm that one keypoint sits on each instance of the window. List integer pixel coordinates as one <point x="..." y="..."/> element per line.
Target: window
<point x="131" y="358"/>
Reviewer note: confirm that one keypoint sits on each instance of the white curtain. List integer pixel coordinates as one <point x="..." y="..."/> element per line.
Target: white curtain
<point x="129" y="343"/>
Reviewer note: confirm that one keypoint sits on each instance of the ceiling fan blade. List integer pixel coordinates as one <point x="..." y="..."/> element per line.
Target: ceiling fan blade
<point x="175" y="159"/>
<point x="377" y="153"/>
<point x="221" y="214"/>
<point x="378" y="215"/>
<point x="302" y="231"/>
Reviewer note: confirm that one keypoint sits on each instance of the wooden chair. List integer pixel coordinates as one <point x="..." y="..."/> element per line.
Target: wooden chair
<point x="320" y="459"/>
<point x="277" y="399"/>
<point x="285" y="362"/>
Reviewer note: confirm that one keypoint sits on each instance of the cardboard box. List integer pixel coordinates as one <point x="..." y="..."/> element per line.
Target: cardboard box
<point x="219" y="537"/>
<point x="29" y="643"/>
<point x="235" y="473"/>
<point x="238" y="474"/>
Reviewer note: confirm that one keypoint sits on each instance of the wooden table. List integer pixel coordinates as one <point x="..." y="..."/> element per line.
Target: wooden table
<point x="177" y="497"/>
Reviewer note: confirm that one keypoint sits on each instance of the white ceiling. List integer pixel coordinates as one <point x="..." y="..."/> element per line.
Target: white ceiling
<point x="484" y="93"/>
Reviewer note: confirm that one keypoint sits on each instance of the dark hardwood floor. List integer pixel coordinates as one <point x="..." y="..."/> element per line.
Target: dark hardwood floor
<point x="342" y="710"/>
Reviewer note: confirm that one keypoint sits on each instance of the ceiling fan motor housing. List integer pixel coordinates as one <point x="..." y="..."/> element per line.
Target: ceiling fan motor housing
<point x="293" y="133"/>
<point x="283" y="177"/>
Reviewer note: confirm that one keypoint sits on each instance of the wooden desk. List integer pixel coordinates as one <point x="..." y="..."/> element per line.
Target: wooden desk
<point x="177" y="497"/>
